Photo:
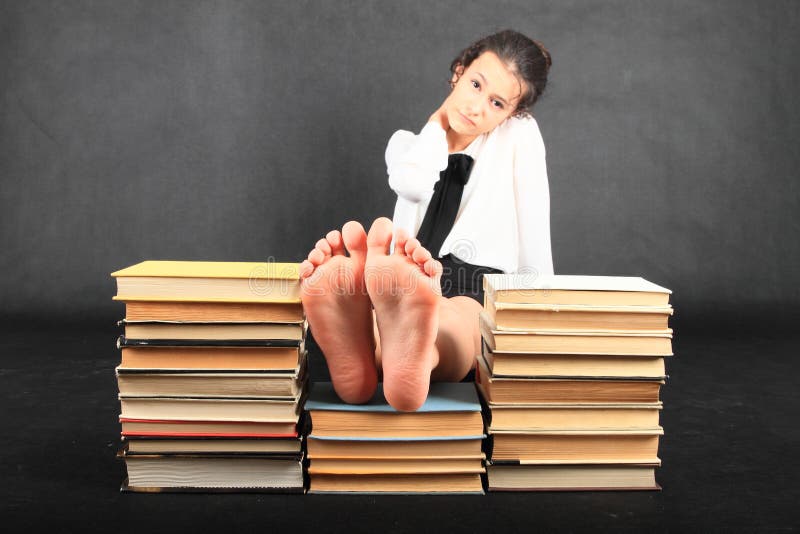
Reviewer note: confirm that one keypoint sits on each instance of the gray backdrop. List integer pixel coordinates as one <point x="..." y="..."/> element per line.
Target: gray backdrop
<point x="245" y="130"/>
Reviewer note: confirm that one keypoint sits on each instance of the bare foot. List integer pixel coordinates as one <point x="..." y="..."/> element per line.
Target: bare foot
<point x="339" y="311"/>
<point x="405" y="291"/>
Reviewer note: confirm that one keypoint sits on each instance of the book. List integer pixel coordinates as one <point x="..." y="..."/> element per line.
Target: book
<point x="520" y="364"/>
<point x="416" y="483"/>
<point x="394" y="466"/>
<point x="576" y="447"/>
<point x="218" y="409"/>
<point x="219" y="359"/>
<point x="326" y="447"/>
<point x="213" y="331"/>
<point x="516" y="316"/>
<point x="205" y="312"/>
<point x="574" y="289"/>
<point x="450" y="410"/>
<point x="164" y="446"/>
<point x="573" y="417"/>
<point x="231" y="429"/>
<point x="146" y="472"/>
<point x="123" y="341"/>
<point x="198" y="385"/>
<point x="502" y="390"/>
<point x="503" y="477"/>
<point x="608" y="342"/>
<point x="209" y="281"/>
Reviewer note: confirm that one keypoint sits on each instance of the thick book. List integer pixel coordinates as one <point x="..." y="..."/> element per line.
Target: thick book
<point x="576" y="447"/>
<point x="285" y="447"/>
<point x="398" y="484"/>
<point x="608" y="342"/>
<point x="207" y="312"/>
<point x="451" y="409"/>
<point x="216" y="359"/>
<point x="504" y="477"/>
<point x="395" y="466"/>
<point x="134" y="383"/>
<point x="574" y="289"/>
<point x="219" y="409"/>
<point x="147" y="472"/>
<point x="209" y="281"/>
<point x="515" y="390"/>
<point x="212" y="331"/>
<point x="327" y="447"/>
<point x="515" y="316"/>
<point x="205" y="429"/>
<point x="520" y="364"/>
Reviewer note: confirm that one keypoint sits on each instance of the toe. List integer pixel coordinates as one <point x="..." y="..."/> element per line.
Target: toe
<point x="400" y="240"/>
<point x="306" y="268"/>
<point x="316" y="257"/>
<point x="355" y="239"/>
<point x="379" y="238"/>
<point x="323" y="246"/>
<point x="421" y="255"/>
<point x="432" y="268"/>
<point x="334" y="238"/>
<point x="411" y="245"/>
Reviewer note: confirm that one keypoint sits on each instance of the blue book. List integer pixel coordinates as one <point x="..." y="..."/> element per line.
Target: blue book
<point x="442" y="397"/>
<point x="451" y="411"/>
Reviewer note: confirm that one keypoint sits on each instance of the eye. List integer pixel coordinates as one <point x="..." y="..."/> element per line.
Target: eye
<point x="497" y="104"/>
<point x="475" y="84"/>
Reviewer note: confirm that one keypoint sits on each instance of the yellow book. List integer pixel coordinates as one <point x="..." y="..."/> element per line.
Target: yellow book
<point x="207" y="281"/>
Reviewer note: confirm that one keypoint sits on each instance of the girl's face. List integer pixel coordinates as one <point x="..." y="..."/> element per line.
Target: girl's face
<point x="484" y="95"/>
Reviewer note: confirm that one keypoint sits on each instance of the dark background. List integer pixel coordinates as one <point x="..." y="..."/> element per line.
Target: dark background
<point x="244" y="131"/>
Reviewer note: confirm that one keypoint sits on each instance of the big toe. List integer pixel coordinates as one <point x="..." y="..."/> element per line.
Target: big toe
<point x="379" y="238"/>
<point x="355" y="240"/>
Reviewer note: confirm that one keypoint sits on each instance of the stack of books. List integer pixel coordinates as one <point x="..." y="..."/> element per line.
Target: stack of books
<point x="212" y="376"/>
<point x="372" y="448"/>
<point x="570" y="373"/>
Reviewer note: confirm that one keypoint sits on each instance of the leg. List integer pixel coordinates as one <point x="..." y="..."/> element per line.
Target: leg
<point x="458" y="339"/>
<point x="339" y="311"/>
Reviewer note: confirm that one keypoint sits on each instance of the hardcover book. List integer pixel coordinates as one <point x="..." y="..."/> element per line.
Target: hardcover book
<point x="209" y="281"/>
<point x="450" y="410"/>
<point x="574" y="289"/>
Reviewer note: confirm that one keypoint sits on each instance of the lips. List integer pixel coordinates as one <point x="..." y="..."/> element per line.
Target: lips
<point x="465" y="119"/>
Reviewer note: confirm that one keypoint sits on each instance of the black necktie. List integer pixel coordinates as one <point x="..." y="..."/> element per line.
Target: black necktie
<point x="446" y="199"/>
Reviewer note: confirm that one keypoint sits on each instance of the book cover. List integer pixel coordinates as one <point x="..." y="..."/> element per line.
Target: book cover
<point x="442" y="397"/>
<point x="211" y="269"/>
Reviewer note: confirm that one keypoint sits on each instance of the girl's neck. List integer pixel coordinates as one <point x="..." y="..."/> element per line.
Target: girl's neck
<point x="457" y="142"/>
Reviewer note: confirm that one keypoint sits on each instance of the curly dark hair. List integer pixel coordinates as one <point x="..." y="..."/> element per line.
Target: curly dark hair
<point x="529" y="60"/>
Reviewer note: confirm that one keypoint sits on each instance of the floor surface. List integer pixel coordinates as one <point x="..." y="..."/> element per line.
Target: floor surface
<point x="729" y="454"/>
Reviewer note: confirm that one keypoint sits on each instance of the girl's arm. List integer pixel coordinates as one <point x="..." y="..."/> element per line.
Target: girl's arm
<point x="415" y="161"/>
<point x="532" y="193"/>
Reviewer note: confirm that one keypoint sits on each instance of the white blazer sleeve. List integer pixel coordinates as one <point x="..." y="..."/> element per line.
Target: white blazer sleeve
<point x="532" y="194"/>
<point x="414" y="161"/>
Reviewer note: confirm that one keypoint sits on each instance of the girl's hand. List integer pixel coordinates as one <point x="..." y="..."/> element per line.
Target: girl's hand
<point x="440" y="116"/>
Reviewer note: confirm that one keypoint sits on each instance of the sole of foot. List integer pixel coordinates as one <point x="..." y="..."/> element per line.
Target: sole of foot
<point x="339" y="311"/>
<point x="404" y="287"/>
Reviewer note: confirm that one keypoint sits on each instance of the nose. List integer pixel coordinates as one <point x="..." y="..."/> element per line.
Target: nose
<point x="473" y="107"/>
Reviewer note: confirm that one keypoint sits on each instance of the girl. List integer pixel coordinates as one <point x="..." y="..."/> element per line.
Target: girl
<point x="472" y="188"/>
